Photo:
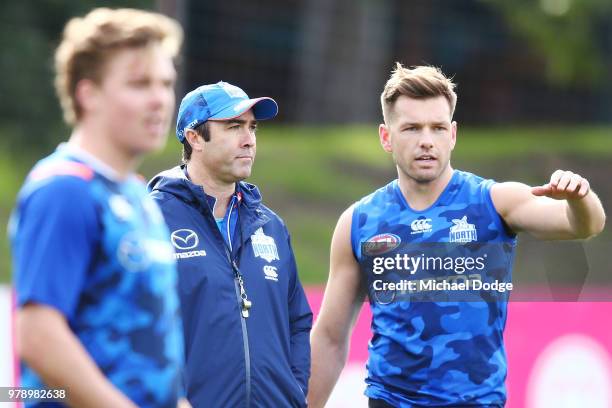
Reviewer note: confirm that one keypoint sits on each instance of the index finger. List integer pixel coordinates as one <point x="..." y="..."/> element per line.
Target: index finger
<point x="555" y="177"/>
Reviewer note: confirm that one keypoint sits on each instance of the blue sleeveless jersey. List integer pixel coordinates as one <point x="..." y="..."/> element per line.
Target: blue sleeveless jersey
<point x="435" y="353"/>
<point x="97" y="250"/>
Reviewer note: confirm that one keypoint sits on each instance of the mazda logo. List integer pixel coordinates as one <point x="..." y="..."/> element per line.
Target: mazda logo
<point x="184" y="239"/>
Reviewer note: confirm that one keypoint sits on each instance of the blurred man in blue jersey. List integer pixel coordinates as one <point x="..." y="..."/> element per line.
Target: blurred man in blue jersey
<point x="442" y="354"/>
<point x="247" y="321"/>
<point x="94" y="272"/>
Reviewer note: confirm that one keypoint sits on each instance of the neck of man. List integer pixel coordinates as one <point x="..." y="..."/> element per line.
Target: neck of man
<point x="222" y="191"/>
<point x="94" y="142"/>
<point x="421" y="195"/>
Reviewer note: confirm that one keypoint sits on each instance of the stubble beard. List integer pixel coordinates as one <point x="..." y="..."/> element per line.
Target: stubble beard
<point x="419" y="177"/>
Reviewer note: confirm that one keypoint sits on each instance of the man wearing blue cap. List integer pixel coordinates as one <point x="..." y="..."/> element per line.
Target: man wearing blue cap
<point x="246" y="318"/>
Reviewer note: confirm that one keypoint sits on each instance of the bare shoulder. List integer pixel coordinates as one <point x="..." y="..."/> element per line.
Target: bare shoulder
<point x="342" y="259"/>
<point x="345" y="221"/>
<point x="341" y="247"/>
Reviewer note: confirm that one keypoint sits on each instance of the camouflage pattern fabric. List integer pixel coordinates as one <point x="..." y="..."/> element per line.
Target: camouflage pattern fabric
<point x="434" y="354"/>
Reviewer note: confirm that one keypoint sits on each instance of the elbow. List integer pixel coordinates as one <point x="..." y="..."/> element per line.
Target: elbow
<point x="584" y="234"/>
<point x="602" y="224"/>
<point x="331" y="344"/>
<point x="597" y="227"/>
<point x="589" y="227"/>
<point x="592" y="230"/>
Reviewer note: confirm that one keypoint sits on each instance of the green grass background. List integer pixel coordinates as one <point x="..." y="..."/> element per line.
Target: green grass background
<point x="309" y="175"/>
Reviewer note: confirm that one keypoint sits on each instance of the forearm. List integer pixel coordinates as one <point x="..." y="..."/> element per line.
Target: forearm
<point x="50" y="348"/>
<point x="586" y="215"/>
<point x="70" y="367"/>
<point x="328" y="360"/>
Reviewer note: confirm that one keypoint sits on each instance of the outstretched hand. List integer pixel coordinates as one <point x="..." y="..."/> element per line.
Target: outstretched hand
<point x="563" y="185"/>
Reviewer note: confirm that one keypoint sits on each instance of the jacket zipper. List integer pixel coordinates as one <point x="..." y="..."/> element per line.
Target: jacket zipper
<point x="243" y="303"/>
<point x="244" y="313"/>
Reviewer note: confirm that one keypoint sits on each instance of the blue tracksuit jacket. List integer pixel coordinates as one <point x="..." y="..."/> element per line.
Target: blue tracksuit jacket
<point x="262" y="360"/>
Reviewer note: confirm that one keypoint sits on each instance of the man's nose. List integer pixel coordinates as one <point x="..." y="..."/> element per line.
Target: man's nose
<point x="161" y="96"/>
<point x="248" y="139"/>
<point x="426" y="139"/>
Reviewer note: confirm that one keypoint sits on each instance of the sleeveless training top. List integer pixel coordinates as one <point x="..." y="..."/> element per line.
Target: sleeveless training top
<point x="435" y="353"/>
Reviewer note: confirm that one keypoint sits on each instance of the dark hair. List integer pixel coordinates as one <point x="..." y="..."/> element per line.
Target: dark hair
<point x="204" y="132"/>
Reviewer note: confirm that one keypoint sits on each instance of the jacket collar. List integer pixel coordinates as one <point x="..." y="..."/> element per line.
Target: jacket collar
<point x="175" y="182"/>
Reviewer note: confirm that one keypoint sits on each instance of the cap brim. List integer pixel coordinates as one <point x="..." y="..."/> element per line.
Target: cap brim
<point x="263" y="108"/>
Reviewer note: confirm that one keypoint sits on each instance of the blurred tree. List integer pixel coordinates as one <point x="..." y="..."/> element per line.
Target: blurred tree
<point x="29" y="32"/>
<point x="573" y="36"/>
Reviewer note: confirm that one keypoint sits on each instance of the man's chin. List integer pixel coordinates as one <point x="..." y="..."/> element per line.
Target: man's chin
<point x="424" y="180"/>
<point x="243" y="175"/>
<point x="151" y="145"/>
<point x="424" y="177"/>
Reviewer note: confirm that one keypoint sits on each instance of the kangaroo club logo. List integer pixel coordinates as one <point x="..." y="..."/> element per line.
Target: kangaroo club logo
<point x="462" y="231"/>
<point x="381" y="243"/>
<point x="264" y="246"/>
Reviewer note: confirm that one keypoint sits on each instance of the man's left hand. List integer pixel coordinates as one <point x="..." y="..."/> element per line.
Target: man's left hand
<point x="563" y="185"/>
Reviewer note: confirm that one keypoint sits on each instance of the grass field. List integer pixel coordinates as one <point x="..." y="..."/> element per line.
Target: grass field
<point x="309" y="175"/>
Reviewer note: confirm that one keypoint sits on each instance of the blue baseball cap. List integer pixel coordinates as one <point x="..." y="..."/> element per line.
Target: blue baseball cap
<point x="220" y="101"/>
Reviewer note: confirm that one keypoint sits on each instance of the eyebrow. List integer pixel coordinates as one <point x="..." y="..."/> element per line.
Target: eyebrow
<point x="239" y="122"/>
<point x="405" y="124"/>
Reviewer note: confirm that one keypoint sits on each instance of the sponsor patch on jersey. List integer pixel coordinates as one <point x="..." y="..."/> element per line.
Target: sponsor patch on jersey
<point x="264" y="246"/>
<point x="120" y="206"/>
<point x="270" y="273"/>
<point x="135" y="253"/>
<point x="462" y="231"/>
<point x="132" y="254"/>
<point x="420" y="226"/>
<point x="381" y="243"/>
<point x="189" y="254"/>
<point x="185" y="241"/>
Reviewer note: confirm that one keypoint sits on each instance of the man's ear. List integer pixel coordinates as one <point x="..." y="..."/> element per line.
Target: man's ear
<point x="195" y="141"/>
<point x="86" y="95"/>
<point x="385" y="137"/>
<point x="453" y="134"/>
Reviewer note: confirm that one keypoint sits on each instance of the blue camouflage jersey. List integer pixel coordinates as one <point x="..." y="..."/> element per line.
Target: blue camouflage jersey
<point x="96" y="249"/>
<point x="441" y="354"/>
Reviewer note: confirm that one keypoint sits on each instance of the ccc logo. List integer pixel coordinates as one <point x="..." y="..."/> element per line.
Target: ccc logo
<point x="422" y="224"/>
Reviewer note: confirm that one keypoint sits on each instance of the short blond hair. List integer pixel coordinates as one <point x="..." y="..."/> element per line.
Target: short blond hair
<point x="420" y="82"/>
<point x="88" y="42"/>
